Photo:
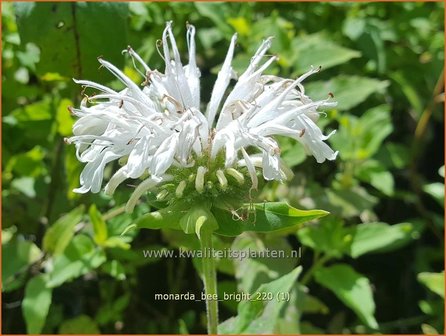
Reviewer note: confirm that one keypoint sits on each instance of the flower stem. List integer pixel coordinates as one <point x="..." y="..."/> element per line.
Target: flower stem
<point x="210" y="281"/>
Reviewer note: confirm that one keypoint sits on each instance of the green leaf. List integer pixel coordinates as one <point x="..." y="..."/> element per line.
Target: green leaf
<point x="36" y="303"/>
<point x="433" y="281"/>
<point x="378" y="237"/>
<point x="351" y="288"/>
<point x="115" y="269"/>
<point x="21" y="254"/>
<point x="80" y="257"/>
<point x="64" y="119"/>
<point x="68" y="35"/>
<point x="252" y="272"/>
<point x="310" y="304"/>
<point x="166" y="218"/>
<point x="436" y="190"/>
<point x="291" y="153"/>
<point x="328" y="236"/>
<point x="349" y="91"/>
<point x="29" y="164"/>
<point x="81" y="324"/>
<point x="198" y="218"/>
<point x="99" y="225"/>
<point x="360" y="138"/>
<point x="374" y="173"/>
<point x="263" y="217"/>
<point x="257" y="316"/>
<point x="58" y="236"/>
<point x="428" y="329"/>
<point x="315" y="50"/>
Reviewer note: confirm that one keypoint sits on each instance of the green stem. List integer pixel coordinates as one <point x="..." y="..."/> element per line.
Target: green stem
<point x="318" y="263"/>
<point x="210" y="281"/>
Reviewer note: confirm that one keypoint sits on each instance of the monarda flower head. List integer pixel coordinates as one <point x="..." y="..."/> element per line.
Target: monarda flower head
<point x="185" y="150"/>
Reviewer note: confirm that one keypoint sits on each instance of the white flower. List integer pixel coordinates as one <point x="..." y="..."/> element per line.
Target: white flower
<point x="159" y="127"/>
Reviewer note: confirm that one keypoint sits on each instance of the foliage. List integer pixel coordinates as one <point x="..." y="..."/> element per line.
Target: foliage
<point x="78" y="264"/>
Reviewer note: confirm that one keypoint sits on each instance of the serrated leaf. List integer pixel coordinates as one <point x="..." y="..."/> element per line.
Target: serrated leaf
<point x="263" y="217"/>
<point x="36" y="304"/>
<point x="261" y="316"/>
<point x="349" y="91"/>
<point x="352" y="288"/>
<point x="433" y="281"/>
<point x="58" y="236"/>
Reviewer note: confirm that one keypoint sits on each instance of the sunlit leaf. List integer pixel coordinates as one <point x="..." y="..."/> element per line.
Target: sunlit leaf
<point x="260" y="316"/>
<point x="380" y="237"/>
<point x="351" y="288"/>
<point x="315" y="50"/>
<point x="36" y="304"/>
<point x="349" y="91"/>
<point x="79" y="258"/>
<point x="99" y="225"/>
<point x="263" y="217"/>
<point x="58" y="235"/>
<point x="433" y="281"/>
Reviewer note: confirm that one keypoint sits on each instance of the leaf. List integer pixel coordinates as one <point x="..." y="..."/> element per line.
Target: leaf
<point x="64" y="119"/>
<point x="257" y="316"/>
<point x="433" y="281"/>
<point x="378" y="237"/>
<point x="262" y="217"/>
<point x="352" y="288"/>
<point x="79" y="258"/>
<point x="360" y="138"/>
<point x="36" y="304"/>
<point x="99" y="225"/>
<point x="115" y="269"/>
<point x="81" y="324"/>
<point x="349" y="91"/>
<point x="166" y="218"/>
<point x="374" y="173"/>
<point x="251" y="272"/>
<point x="328" y="236"/>
<point x="291" y="153"/>
<point x="436" y="190"/>
<point x="196" y="219"/>
<point x="72" y="35"/>
<point x="315" y="50"/>
<point x="428" y="329"/>
<point x="21" y="254"/>
<point x="58" y="236"/>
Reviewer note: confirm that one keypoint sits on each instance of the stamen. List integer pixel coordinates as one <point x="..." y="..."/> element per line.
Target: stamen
<point x="222" y="179"/>
<point x="162" y="195"/>
<point x="199" y="180"/>
<point x="237" y="175"/>
<point x="180" y="189"/>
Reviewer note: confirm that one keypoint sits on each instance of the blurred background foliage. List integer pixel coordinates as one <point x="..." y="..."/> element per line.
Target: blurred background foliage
<point x="374" y="265"/>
